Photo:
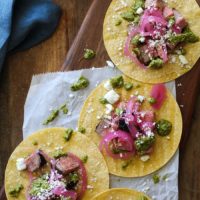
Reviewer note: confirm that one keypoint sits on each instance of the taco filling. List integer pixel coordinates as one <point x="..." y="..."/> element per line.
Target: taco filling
<point x="127" y="129"/>
<point x="155" y="31"/>
<point x="66" y="179"/>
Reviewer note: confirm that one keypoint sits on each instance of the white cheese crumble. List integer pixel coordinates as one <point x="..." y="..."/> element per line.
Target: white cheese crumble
<point x="145" y="158"/>
<point x="109" y="108"/>
<point x="107" y="85"/>
<point x="123" y="3"/>
<point x="149" y="133"/>
<point x="111" y="96"/>
<point x="142" y="39"/>
<point x="59" y="148"/>
<point x="90" y="187"/>
<point x="146" y="189"/>
<point x="183" y="59"/>
<point x="139" y="11"/>
<point x="71" y="96"/>
<point x="136" y="93"/>
<point x="69" y="113"/>
<point x="107" y="117"/>
<point x="173" y="59"/>
<point x="168" y="137"/>
<point x="90" y="110"/>
<point x="98" y="117"/>
<point x="141" y="98"/>
<point x="110" y="64"/>
<point x="20" y="164"/>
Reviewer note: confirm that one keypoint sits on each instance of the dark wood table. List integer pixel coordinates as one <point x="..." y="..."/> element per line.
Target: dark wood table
<point x="50" y="56"/>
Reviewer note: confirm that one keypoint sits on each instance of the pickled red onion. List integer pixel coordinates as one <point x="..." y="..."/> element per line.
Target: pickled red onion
<point x="146" y="27"/>
<point x="61" y="191"/>
<point x="125" y="138"/>
<point x="83" y="174"/>
<point x="159" y="93"/>
<point x="133" y="57"/>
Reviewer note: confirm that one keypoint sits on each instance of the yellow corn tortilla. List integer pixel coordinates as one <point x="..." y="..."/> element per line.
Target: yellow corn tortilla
<point x="48" y="140"/>
<point x="115" y="37"/>
<point x="122" y="194"/>
<point x="164" y="147"/>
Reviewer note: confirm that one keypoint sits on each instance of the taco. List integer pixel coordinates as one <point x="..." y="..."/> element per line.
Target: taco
<point x="121" y="193"/>
<point x="153" y="41"/>
<point x="136" y="126"/>
<point x="55" y="163"/>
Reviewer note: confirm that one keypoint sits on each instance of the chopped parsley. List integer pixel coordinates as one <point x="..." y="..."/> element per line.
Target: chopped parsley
<point x="186" y="36"/>
<point x="136" y="40"/>
<point x="35" y="143"/>
<point x="85" y="158"/>
<point x="103" y="100"/>
<point x="80" y="84"/>
<point x="39" y="185"/>
<point x="118" y="22"/>
<point x="138" y="4"/>
<point x="165" y="177"/>
<point x="137" y="85"/>
<point x="126" y="164"/>
<point x="64" y="109"/>
<point x="128" y="16"/>
<point x="156" y="63"/>
<point x="143" y="143"/>
<point x="68" y="134"/>
<point x="73" y="177"/>
<point x="131" y="15"/>
<point x="136" y="50"/>
<point x="128" y="86"/>
<point x="117" y="82"/>
<point x="81" y="130"/>
<point x="163" y="127"/>
<point x="151" y="100"/>
<point x="51" y="117"/>
<point x="89" y="54"/>
<point x="156" y="178"/>
<point x="59" y="153"/>
<point x="119" y="111"/>
<point x="171" y="21"/>
<point x="15" y="190"/>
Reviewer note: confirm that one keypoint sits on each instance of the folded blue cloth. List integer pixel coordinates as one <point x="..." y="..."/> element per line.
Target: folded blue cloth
<point x="25" y="23"/>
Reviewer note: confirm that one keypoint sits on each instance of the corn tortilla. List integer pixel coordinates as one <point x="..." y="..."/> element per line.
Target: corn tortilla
<point x="121" y="193"/>
<point x="48" y="140"/>
<point x="164" y="147"/>
<point x="115" y="37"/>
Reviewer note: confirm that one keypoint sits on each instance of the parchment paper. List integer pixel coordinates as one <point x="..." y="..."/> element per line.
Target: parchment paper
<point x="49" y="91"/>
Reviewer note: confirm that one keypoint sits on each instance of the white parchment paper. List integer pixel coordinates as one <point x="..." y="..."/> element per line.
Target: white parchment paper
<point x="49" y="91"/>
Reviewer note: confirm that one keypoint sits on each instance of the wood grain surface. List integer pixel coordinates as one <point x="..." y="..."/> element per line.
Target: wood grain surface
<point x="50" y="56"/>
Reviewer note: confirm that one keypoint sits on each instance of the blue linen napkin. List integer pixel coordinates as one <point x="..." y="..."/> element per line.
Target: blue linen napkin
<point x="25" y="23"/>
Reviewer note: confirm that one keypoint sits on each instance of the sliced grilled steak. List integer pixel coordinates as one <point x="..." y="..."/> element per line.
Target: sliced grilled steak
<point x="35" y="161"/>
<point x="103" y="125"/>
<point x="179" y="20"/>
<point x="66" y="164"/>
<point x="144" y="58"/>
